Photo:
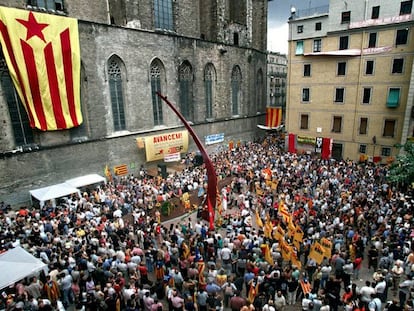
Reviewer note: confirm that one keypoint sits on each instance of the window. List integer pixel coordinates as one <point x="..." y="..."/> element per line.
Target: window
<point x="341" y="68"/>
<point x="317" y="45"/>
<point x="236" y="38"/>
<point x="397" y="65"/>
<point x="209" y="78"/>
<point x="56" y="5"/>
<point x="163" y="14"/>
<point x="116" y="93"/>
<point x="362" y="148"/>
<point x="385" y="151"/>
<point x="375" y="12"/>
<point x="363" y="125"/>
<point x="299" y="48"/>
<point x="339" y="95"/>
<point x="307" y="70"/>
<point x="20" y="126"/>
<point x="389" y="127"/>
<point x="300" y="28"/>
<point x="260" y="100"/>
<point x="372" y="41"/>
<point x="337" y="124"/>
<point x="156" y="72"/>
<point x="366" y="97"/>
<point x="369" y="67"/>
<point x="343" y="42"/>
<point x="318" y="26"/>
<point x="345" y="17"/>
<point x="304" y="121"/>
<point x="393" y="97"/>
<point x="402" y="36"/>
<point x="406" y="7"/>
<point x="186" y="90"/>
<point x="305" y="94"/>
<point x="235" y="89"/>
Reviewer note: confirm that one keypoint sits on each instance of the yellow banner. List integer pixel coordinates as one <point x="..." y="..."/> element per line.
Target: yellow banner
<point x="279" y="233"/>
<point x="291" y="229"/>
<point x="286" y="250"/>
<point x="298" y="237"/>
<point x="317" y="252"/>
<point x="158" y="146"/>
<point x="327" y="246"/>
<point x="295" y="261"/>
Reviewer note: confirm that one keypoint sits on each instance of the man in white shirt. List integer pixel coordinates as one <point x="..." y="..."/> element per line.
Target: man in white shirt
<point x="366" y="292"/>
<point x="381" y="289"/>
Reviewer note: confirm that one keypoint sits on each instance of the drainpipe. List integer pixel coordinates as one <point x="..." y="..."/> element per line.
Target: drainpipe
<point x="108" y="12"/>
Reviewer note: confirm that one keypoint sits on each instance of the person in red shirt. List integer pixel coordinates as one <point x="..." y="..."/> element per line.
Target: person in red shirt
<point x="144" y="273"/>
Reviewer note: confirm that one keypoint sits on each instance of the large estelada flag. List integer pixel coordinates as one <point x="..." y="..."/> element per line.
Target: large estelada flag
<point x="43" y="57"/>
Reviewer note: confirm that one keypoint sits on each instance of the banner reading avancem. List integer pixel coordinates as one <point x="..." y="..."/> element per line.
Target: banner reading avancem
<point x="158" y="147"/>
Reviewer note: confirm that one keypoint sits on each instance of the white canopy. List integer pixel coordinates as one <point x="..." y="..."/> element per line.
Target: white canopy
<point x="53" y="192"/>
<point x="85" y="180"/>
<point x="16" y="264"/>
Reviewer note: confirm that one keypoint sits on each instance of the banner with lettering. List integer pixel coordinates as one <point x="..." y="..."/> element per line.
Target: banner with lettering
<point x="317" y="252"/>
<point x="159" y="147"/>
<point x="327" y="246"/>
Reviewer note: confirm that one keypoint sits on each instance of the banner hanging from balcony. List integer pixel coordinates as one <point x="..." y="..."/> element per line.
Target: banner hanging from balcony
<point x="273" y="119"/>
<point x="43" y="57"/>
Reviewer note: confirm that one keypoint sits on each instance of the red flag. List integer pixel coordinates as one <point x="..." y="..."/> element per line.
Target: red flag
<point x="43" y="57"/>
<point x="326" y="148"/>
<point x="292" y="143"/>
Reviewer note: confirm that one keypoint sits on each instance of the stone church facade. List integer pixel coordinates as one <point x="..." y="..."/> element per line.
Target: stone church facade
<point x="207" y="56"/>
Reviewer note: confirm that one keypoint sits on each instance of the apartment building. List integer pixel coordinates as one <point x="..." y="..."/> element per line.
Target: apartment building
<point x="350" y="79"/>
<point x="277" y="80"/>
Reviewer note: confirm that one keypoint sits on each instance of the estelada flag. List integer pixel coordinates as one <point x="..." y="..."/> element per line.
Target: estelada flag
<point x="43" y="57"/>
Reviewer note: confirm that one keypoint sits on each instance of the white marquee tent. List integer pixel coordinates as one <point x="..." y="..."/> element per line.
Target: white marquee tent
<point x="16" y="264"/>
<point x="53" y="192"/>
<point x="85" y="180"/>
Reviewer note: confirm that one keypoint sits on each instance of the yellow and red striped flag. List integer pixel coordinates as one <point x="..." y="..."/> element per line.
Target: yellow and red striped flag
<point x="121" y="170"/>
<point x="273" y="117"/>
<point x="253" y="291"/>
<point x="284" y="212"/>
<point x="43" y="57"/>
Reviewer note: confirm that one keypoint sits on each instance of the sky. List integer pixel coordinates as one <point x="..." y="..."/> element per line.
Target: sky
<point x="277" y="26"/>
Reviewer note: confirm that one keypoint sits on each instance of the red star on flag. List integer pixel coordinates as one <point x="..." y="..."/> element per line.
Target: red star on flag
<point x="33" y="27"/>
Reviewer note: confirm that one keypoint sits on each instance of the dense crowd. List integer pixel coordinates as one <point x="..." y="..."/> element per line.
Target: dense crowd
<point x="108" y="250"/>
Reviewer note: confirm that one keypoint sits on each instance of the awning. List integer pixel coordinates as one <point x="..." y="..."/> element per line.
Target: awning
<point x="17" y="264"/>
<point x="85" y="180"/>
<point x="53" y="192"/>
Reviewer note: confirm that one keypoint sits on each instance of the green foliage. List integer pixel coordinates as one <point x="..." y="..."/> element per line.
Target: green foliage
<point x="402" y="170"/>
<point x="166" y="208"/>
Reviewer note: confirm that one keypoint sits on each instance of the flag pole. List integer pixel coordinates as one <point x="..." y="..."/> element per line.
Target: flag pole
<point x="211" y="172"/>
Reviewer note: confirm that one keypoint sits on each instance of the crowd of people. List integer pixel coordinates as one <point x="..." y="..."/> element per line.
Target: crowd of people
<point x="108" y="249"/>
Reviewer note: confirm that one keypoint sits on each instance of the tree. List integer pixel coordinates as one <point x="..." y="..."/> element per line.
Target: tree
<point x="402" y="170"/>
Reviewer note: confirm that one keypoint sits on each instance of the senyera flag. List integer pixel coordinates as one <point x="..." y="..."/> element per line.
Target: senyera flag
<point x="43" y="56"/>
